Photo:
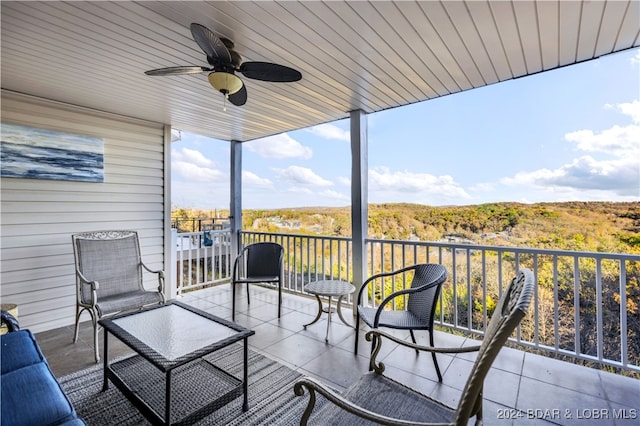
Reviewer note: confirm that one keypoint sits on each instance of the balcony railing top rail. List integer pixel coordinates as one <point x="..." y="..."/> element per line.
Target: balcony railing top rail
<point x="515" y="249"/>
<point x="198" y="224"/>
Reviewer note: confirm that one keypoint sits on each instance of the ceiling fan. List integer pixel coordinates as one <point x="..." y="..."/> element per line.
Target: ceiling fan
<point x="224" y="61"/>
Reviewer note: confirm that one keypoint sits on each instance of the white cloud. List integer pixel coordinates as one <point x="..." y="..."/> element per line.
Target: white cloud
<point x="616" y="176"/>
<point x="420" y="184"/>
<point x="618" y="140"/>
<point x="330" y="131"/>
<point x="279" y="146"/>
<point x="620" y="177"/>
<point x="329" y="193"/>
<point x="631" y="109"/>
<point x="301" y="176"/>
<point x="483" y="187"/>
<point x="252" y="179"/>
<point x="194" y="166"/>
<point x="195" y="173"/>
<point x="343" y="180"/>
<point x="300" y="190"/>
<point x="191" y="156"/>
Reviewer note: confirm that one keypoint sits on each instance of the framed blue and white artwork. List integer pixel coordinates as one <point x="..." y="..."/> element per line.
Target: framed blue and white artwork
<point x="28" y="152"/>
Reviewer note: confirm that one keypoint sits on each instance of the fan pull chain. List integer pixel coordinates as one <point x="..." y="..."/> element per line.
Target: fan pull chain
<point x="224" y="103"/>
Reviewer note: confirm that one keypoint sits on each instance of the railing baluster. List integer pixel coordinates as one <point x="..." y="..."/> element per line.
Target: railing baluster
<point x="556" y="303"/>
<point x="454" y="281"/>
<point x="624" y="354"/>
<point x="576" y="304"/>
<point x="536" y="312"/>
<point x="484" y="290"/>
<point x="599" y="344"/>
<point x="469" y="291"/>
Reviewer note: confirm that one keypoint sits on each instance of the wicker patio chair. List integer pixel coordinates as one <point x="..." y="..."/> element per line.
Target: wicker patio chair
<point x="109" y="280"/>
<point x="258" y="263"/>
<point x="421" y="299"/>
<point x="375" y="398"/>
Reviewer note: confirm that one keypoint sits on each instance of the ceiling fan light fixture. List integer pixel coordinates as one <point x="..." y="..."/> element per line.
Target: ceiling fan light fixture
<point x="225" y="82"/>
<point x="224" y="62"/>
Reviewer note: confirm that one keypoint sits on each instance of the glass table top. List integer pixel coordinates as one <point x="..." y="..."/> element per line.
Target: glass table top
<point x="173" y="331"/>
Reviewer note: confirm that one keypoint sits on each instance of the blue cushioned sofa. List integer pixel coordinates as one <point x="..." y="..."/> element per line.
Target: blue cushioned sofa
<point x="30" y="393"/>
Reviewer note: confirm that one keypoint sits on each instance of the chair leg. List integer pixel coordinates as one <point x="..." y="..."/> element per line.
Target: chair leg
<point x="433" y="355"/>
<point x="77" y="328"/>
<point x="357" y="324"/>
<point x="413" y="338"/>
<point x="248" y="300"/>
<point x="373" y="345"/>
<point x="279" y="299"/>
<point x="94" y="320"/>
<point x="233" y="301"/>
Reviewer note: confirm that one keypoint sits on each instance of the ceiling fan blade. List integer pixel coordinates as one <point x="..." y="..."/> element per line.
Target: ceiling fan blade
<point x="267" y="71"/>
<point x="210" y="44"/>
<point x="177" y="70"/>
<point x="240" y="97"/>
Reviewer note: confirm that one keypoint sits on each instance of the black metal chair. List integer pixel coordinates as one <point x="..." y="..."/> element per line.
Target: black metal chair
<point x="258" y="263"/>
<point x="421" y="300"/>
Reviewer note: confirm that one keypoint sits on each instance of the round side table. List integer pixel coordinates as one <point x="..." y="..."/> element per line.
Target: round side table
<point x="330" y="289"/>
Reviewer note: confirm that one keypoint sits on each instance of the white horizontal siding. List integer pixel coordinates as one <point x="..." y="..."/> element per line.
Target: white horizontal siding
<point x="38" y="216"/>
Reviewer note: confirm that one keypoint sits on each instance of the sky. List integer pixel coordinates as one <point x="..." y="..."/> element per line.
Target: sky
<point x="571" y="134"/>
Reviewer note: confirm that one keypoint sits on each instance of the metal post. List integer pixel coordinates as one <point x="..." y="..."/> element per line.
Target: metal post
<point x="235" y="210"/>
<point x="359" y="196"/>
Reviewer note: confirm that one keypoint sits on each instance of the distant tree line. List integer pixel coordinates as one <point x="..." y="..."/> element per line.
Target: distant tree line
<point x="585" y="226"/>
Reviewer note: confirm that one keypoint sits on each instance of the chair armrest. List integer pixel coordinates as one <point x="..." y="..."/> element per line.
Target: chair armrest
<point x="375" y="337"/>
<point x="95" y="285"/>
<point x="314" y="386"/>
<point x="382" y="275"/>
<point x="84" y="280"/>
<point x="10" y="321"/>
<point x="397" y="294"/>
<point x="234" y="271"/>
<point x="160" y="274"/>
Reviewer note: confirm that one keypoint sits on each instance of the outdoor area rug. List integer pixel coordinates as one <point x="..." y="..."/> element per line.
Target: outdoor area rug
<point x="271" y="397"/>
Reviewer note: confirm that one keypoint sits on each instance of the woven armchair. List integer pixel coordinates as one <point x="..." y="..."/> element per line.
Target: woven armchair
<point x="421" y="299"/>
<point x="109" y="272"/>
<point x="379" y="399"/>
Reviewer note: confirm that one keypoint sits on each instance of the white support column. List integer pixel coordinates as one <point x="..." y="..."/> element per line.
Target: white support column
<point x="170" y="286"/>
<point x="235" y="209"/>
<point x="171" y="281"/>
<point x="359" y="196"/>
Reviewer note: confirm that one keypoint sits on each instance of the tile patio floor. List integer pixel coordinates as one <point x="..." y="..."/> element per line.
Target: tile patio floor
<point x="521" y="388"/>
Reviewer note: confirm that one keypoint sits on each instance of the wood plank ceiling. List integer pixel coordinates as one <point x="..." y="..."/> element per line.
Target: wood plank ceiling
<point x="353" y="55"/>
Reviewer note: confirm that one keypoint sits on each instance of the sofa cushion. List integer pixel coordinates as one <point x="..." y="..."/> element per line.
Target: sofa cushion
<point x="19" y="349"/>
<point x="35" y="397"/>
<point x="30" y="393"/>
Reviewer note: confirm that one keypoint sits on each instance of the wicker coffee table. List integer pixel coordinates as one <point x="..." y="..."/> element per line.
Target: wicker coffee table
<point x="329" y="288"/>
<point x="171" y="341"/>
